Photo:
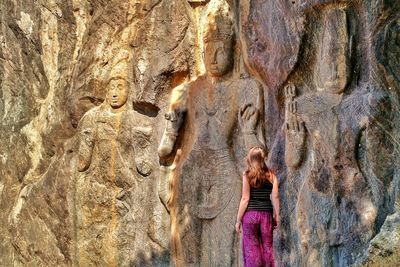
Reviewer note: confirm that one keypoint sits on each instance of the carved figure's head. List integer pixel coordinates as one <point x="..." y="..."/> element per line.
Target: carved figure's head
<point x="218" y="42"/>
<point x="118" y="92"/>
<point x="120" y="80"/>
<point x="333" y="55"/>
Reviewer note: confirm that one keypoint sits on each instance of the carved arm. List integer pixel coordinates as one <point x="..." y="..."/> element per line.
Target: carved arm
<point x="174" y="121"/>
<point x="248" y="120"/>
<point x="294" y="130"/>
<point x="142" y="149"/>
<point x="86" y="143"/>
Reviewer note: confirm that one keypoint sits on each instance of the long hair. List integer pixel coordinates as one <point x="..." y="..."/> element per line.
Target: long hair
<point x="257" y="171"/>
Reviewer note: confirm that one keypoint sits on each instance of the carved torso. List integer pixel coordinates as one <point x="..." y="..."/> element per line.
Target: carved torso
<point x="319" y="113"/>
<point x="212" y="117"/>
<point x="332" y="172"/>
<point x="334" y="135"/>
<point x="212" y="113"/>
<point x="112" y="141"/>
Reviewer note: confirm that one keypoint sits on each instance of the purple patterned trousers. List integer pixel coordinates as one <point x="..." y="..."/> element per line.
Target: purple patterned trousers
<point x="257" y="239"/>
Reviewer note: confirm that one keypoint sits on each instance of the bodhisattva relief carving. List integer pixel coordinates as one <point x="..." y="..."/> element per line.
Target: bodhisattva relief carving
<point x="210" y="109"/>
<point x="114" y="144"/>
<point x="325" y="129"/>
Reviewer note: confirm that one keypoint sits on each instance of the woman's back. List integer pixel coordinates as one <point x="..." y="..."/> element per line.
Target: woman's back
<point x="260" y="198"/>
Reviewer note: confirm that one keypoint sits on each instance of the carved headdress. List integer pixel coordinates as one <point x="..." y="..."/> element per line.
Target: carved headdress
<point x="121" y="67"/>
<point x="219" y="25"/>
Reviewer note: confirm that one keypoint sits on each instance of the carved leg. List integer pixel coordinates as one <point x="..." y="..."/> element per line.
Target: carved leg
<point x="190" y="241"/>
<point x="219" y="242"/>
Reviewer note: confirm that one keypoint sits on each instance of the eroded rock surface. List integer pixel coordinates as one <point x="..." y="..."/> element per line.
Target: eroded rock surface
<point x="90" y="180"/>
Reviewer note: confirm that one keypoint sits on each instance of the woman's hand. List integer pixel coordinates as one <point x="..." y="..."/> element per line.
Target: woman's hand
<point x="238" y="227"/>
<point x="276" y="222"/>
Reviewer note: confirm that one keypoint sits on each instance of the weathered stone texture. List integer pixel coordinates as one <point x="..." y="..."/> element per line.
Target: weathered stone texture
<point x="157" y="183"/>
<point x="341" y="175"/>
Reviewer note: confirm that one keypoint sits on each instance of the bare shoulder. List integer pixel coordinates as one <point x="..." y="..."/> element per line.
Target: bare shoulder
<point x="274" y="178"/>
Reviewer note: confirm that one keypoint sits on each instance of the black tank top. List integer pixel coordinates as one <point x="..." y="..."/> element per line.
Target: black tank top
<point x="260" y="198"/>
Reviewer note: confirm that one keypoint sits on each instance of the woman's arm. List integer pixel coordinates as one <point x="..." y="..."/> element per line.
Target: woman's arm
<point x="275" y="198"/>
<point x="243" y="202"/>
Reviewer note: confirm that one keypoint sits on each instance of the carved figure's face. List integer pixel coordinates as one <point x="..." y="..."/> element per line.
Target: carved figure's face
<point x="218" y="57"/>
<point x="118" y="89"/>
<point x="332" y="67"/>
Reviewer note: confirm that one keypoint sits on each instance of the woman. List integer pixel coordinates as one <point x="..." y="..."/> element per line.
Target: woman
<point x="260" y="186"/>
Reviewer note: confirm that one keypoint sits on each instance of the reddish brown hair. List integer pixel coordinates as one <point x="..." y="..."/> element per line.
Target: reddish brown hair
<point x="257" y="171"/>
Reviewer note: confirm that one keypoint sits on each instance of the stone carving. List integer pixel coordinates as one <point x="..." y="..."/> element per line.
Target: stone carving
<point x="174" y="119"/>
<point x="324" y="132"/>
<point x="114" y="144"/>
<point x="332" y="69"/>
<point x="56" y="57"/>
<point x="210" y="108"/>
<point x="391" y="49"/>
<point x="272" y="51"/>
<point x="295" y="131"/>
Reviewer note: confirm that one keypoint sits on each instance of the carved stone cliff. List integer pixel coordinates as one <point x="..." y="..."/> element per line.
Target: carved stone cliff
<point x="124" y="125"/>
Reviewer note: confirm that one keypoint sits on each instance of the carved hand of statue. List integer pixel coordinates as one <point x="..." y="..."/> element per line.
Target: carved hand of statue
<point x="295" y="141"/>
<point x="290" y="91"/>
<point x="174" y="120"/>
<point x="290" y="103"/>
<point x="248" y="118"/>
<point x="294" y="130"/>
<point x="122" y="202"/>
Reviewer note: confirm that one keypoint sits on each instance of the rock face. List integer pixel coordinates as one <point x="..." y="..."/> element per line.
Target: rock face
<point x="124" y="125"/>
<point x="339" y="112"/>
